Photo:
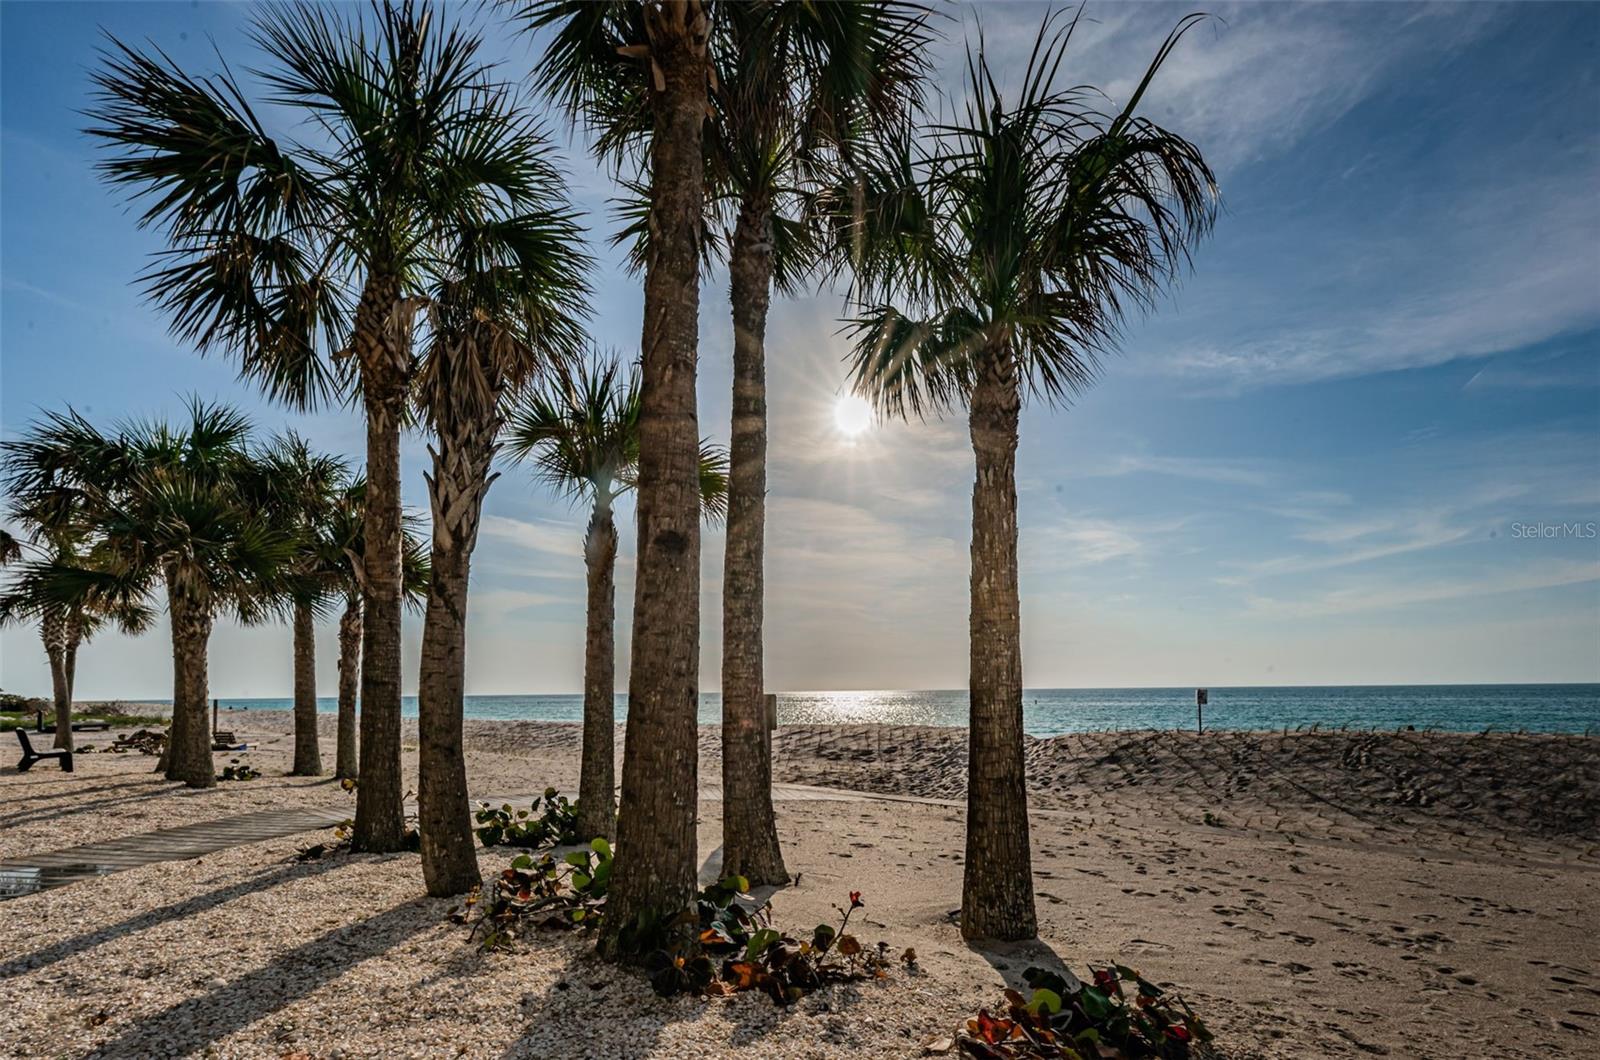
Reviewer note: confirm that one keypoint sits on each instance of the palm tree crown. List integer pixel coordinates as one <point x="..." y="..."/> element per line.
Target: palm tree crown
<point x="1027" y="229"/>
<point x="580" y="432"/>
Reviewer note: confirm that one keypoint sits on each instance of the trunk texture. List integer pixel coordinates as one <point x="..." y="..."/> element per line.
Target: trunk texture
<point x="53" y="631"/>
<point x="597" y="781"/>
<point x="463" y="396"/>
<point x="749" y="829"/>
<point x="449" y="860"/>
<point x="654" y="874"/>
<point x="345" y="767"/>
<point x="997" y="891"/>
<point x="307" y="754"/>
<point x="382" y="345"/>
<point x="70" y="659"/>
<point x="189" y="742"/>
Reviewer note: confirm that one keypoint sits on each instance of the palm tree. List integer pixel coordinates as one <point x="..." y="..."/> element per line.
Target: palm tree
<point x="581" y="433"/>
<point x="1003" y="254"/>
<point x="303" y="260"/>
<point x="170" y="506"/>
<point x="43" y="590"/>
<point x="338" y="544"/>
<point x="593" y="64"/>
<point x="297" y="492"/>
<point x="509" y="308"/>
<point x="797" y="82"/>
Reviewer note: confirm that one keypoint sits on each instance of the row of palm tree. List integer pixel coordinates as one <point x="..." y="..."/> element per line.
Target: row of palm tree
<point x="226" y="527"/>
<point x="416" y="249"/>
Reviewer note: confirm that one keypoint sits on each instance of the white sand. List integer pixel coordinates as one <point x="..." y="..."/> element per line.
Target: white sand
<point x="1415" y="895"/>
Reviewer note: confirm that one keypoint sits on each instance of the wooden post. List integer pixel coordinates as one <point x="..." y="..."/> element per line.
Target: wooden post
<point x="1199" y="702"/>
<point x="214" y="706"/>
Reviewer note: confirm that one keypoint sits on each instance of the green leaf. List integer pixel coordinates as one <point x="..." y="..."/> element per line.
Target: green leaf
<point x="1095" y="1004"/>
<point x="1048" y="1000"/>
<point x="759" y="943"/>
<point x="599" y="845"/>
<point x="522" y="861"/>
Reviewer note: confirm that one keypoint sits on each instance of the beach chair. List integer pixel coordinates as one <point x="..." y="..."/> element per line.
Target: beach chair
<point x="30" y="756"/>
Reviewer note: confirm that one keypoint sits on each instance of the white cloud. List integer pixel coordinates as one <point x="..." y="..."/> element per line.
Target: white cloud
<point x="1385" y="595"/>
<point x="539" y="535"/>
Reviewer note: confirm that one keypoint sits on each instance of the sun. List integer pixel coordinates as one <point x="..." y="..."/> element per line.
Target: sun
<point x="852" y="415"/>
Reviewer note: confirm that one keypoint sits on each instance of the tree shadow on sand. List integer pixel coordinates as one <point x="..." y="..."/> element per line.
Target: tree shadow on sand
<point x="74" y="792"/>
<point x="1012" y="959"/>
<point x="81" y="806"/>
<point x="576" y="997"/>
<point x="189" y="907"/>
<point x="190" y="1025"/>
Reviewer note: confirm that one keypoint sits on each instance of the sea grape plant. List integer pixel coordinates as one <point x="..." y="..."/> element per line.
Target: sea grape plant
<point x="1117" y="1013"/>
<point x="555" y="825"/>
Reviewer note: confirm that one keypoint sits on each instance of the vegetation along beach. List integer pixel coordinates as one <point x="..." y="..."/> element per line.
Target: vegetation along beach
<point x="867" y="528"/>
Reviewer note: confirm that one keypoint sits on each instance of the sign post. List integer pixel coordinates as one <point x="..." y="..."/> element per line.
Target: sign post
<point x="1199" y="703"/>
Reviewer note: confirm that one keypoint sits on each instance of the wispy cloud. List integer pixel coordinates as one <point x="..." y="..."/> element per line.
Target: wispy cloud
<point x="1385" y="595"/>
<point x="1201" y="469"/>
<point x="537" y="535"/>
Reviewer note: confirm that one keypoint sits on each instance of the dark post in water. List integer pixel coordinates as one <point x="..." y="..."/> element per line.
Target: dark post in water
<point x="1199" y="702"/>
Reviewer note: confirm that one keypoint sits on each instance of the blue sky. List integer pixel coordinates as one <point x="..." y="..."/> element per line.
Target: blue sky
<point x="1316" y="463"/>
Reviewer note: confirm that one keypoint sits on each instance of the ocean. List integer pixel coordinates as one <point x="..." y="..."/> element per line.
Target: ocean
<point x="1052" y="711"/>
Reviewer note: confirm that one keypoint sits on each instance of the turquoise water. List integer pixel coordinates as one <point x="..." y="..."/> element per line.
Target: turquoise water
<point x="1052" y="711"/>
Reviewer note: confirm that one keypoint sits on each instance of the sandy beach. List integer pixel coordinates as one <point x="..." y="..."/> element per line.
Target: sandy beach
<point x="1312" y="894"/>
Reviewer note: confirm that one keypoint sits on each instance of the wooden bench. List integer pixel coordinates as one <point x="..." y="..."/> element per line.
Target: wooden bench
<point x="77" y="726"/>
<point x="30" y="756"/>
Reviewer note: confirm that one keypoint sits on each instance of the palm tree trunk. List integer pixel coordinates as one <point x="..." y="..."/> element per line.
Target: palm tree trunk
<point x="52" y="630"/>
<point x="597" y="782"/>
<point x="749" y="829"/>
<point x="189" y="743"/>
<point x="307" y="754"/>
<point x="654" y="874"/>
<point x="345" y="767"/>
<point x="997" y="891"/>
<point x="70" y="656"/>
<point x="382" y="345"/>
<point x="466" y="420"/>
<point x="449" y="861"/>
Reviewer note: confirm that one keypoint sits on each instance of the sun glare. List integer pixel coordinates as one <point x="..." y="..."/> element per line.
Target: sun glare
<point x="852" y="415"/>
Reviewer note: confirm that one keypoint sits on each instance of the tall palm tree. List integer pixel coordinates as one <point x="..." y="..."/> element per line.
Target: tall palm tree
<point x="999" y="253"/>
<point x="581" y="433"/>
<point x="338" y="544"/>
<point x="171" y="507"/>
<point x="297" y="491"/>
<point x="509" y="308"/>
<point x="305" y="259"/>
<point x="797" y="82"/>
<point x="595" y="52"/>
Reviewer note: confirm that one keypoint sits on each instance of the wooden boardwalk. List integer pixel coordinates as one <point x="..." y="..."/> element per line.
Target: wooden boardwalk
<point x="57" y="868"/>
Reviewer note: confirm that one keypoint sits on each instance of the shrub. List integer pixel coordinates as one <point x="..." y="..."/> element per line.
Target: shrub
<point x="1117" y="1013"/>
<point x="555" y="825"/>
<point x="733" y="947"/>
<point x="542" y="893"/>
<point x="236" y="770"/>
